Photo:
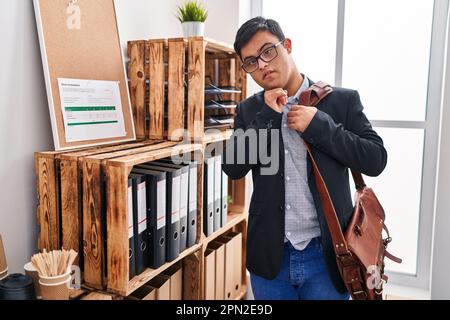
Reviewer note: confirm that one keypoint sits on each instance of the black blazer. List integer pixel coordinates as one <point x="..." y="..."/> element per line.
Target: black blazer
<point x="340" y="137"/>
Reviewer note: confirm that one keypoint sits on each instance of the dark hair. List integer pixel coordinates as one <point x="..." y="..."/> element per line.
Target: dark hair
<point x="249" y="29"/>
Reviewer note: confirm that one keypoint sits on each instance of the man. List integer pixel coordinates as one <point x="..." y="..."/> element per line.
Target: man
<point x="289" y="249"/>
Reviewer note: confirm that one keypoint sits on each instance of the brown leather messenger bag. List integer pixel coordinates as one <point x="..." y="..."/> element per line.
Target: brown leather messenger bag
<point x="361" y="251"/>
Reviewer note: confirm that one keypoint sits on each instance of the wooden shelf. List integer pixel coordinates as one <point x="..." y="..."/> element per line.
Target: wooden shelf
<point x="172" y="149"/>
<point x="141" y="279"/>
<point x="198" y="55"/>
<point x="215" y="46"/>
<point x="116" y="163"/>
<point x="59" y="193"/>
<point x="233" y="219"/>
<point x="71" y="198"/>
<point x="75" y="294"/>
<point x="117" y="171"/>
<point x="243" y="293"/>
<point x="211" y="137"/>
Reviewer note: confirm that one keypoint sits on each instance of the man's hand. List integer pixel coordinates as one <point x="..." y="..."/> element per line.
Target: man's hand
<point x="299" y="117"/>
<point x="276" y="99"/>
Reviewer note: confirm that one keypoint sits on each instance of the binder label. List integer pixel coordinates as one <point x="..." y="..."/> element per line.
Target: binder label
<point x="161" y="204"/>
<point x="193" y="189"/>
<point x="176" y="188"/>
<point x="130" y="212"/>
<point x="184" y="194"/>
<point x="142" y="207"/>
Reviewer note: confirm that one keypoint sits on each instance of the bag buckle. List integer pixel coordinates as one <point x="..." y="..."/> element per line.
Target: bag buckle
<point x="378" y="292"/>
<point x="345" y="255"/>
<point x="357" y="294"/>
<point x="387" y="241"/>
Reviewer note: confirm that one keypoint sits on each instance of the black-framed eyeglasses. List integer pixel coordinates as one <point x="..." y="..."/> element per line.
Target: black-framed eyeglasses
<point x="250" y="64"/>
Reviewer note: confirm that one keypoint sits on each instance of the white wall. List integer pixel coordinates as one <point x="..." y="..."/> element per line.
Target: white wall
<point x="25" y="128"/>
<point x="440" y="280"/>
<point x="143" y="19"/>
<point x="223" y="20"/>
<point x="24" y="121"/>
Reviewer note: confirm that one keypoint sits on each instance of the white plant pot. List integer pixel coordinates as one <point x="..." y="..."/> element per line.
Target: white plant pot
<point x="193" y="29"/>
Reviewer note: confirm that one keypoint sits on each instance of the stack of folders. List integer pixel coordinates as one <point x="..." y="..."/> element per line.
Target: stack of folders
<point x="215" y="195"/>
<point x="162" y="197"/>
<point x="165" y="286"/>
<point x="139" y="224"/>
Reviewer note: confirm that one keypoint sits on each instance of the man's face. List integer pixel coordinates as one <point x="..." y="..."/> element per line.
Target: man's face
<point x="273" y="74"/>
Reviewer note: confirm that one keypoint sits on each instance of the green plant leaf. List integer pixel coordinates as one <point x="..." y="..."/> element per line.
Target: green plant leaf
<point x="192" y="11"/>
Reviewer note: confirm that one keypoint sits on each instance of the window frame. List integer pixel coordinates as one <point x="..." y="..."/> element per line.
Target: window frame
<point x="430" y="125"/>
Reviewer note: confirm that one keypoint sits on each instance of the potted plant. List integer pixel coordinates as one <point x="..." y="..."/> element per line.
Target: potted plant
<point x="192" y="16"/>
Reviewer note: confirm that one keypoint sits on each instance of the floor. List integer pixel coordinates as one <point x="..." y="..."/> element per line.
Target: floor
<point x="392" y="292"/>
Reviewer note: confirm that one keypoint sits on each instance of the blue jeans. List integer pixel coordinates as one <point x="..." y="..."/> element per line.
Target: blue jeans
<point x="303" y="276"/>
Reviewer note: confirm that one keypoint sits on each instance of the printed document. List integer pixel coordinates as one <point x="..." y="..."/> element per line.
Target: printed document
<point x="91" y="109"/>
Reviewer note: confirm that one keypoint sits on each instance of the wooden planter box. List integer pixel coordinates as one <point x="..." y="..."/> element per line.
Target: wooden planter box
<point x="167" y="79"/>
<point x="59" y="194"/>
<point x="72" y="203"/>
<point x="74" y="190"/>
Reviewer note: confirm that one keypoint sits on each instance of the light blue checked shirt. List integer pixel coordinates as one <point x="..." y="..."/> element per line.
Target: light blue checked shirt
<point x="301" y="223"/>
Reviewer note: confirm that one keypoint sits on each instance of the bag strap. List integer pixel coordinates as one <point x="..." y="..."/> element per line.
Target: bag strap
<point x="339" y="243"/>
<point x="315" y="93"/>
<point x="311" y="97"/>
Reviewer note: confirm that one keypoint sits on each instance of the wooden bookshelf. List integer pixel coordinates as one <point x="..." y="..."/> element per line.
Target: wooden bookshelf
<point x="82" y="193"/>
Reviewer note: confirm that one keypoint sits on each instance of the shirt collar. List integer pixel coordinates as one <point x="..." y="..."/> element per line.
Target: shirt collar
<point x="296" y="98"/>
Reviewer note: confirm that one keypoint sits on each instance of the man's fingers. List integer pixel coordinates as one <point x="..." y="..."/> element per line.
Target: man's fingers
<point x="297" y="107"/>
<point x="282" y="100"/>
<point x="276" y="98"/>
<point x="293" y="113"/>
<point x="292" y="120"/>
<point x="276" y="93"/>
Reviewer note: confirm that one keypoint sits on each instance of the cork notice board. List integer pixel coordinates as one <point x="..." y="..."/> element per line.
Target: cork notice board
<point x="79" y="40"/>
